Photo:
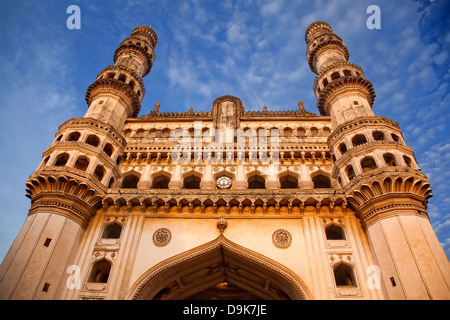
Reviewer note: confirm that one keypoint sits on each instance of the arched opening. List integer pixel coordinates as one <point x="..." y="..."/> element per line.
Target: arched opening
<point x="108" y="149"/>
<point x="99" y="172"/>
<point x="368" y="164"/>
<point x="61" y="160"/>
<point x="130" y="182"/>
<point x="74" y="136"/>
<point x="160" y="182"/>
<point x="344" y="276"/>
<point x="82" y="163"/>
<point x="378" y="136"/>
<point x="112" y="231"/>
<point x="288" y="182"/>
<point x="256" y="182"/>
<point x="93" y="140"/>
<point x="321" y="181"/>
<point x="219" y="270"/>
<point x="390" y="160"/>
<point x="335" y="75"/>
<point x="408" y="161"/>
<point x="342" y="148"/>
<point x="334" y="232"/>
<point x="350" y="173"/>
<point x="100" y="272"/>
<point x="191" y="182"/>
<point x="358" y="140"/>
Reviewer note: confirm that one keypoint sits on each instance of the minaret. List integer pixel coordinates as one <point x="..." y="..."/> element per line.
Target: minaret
<point x="378" y="173"/>
<point x="68" y="186"/>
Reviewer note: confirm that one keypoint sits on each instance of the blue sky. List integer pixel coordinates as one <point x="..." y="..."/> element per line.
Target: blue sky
<point x="254" y="50"/>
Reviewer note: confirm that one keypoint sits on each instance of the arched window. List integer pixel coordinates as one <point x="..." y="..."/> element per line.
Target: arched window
<point x="334" y="232"/>
<point x="395" y="137"/>
<point x="314" y="132"/>
<point x="390" y="160"/>
<point x="359" y="139"/>
<point x="378" y="135"/>
<point x="301" y="132"/>
<point x="93" y="140"/>
<point x="368" y="164"/>
<point x="112" y="231"/>
<point x="99" y="172"/>
<point x="350" y="173"/>
<point x="191" y="182"/>
<point x="82" y="163"/>
<point x="74" y="136"/>
<point x="111" y="183"/>
<point x="289" y="182"/>
<point x="160" y="182"/>
<point x="344" y="275"/>
<point x="325" y="82"/>
<point x="130" y="182"/>
<point x="287" y="132"/>
<point x="100" y="272"/>
<point x="335" y="75"/>
<point x="407" y="161"/>
<point x="342" y="148"/>
<point x="122" y="77"/>
<point x="321" y="181"/>
<point x="108" y="149"/>
<point x="347" y="73"/>
<point x="256" y="182"/>
<point x="61" y="160"/>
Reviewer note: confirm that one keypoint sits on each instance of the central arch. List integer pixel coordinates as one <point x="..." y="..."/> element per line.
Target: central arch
<point x="219" y="269"/>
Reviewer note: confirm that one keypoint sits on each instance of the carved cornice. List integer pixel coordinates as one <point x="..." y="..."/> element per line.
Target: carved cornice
<point x="386" y="191"/>
<point x="118" y="88"/>
<point x="342" y="84"/>
<point x="68" y="194"/>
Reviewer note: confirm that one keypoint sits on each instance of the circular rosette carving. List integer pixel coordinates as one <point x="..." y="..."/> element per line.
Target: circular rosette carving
<point x="162" y="237"/>
<point x="282" y="238"/>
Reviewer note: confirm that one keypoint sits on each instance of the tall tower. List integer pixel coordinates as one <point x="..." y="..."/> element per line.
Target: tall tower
<point x="69" y="184"/>
<point x="378" y="173"/>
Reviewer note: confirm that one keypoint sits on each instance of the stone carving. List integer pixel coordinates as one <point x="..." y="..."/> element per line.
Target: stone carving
<point x="162" y="237"/>
<point x="282" y="238"/>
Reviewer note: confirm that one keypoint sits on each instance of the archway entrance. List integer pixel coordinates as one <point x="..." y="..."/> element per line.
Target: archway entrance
<point x="219" y="270"/>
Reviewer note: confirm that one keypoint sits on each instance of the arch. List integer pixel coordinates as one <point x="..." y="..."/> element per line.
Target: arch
<point x="100" y="271"/>
<point x="321" y="180"/>
<point x="358" y="140"/>
<point x="82" y="163"/>
<point x="378" y="136"/>
<point x="334" y="232"/>
<point x="61" y="160"/>
<point x="160" y="182"/>
<point x="350" y="173"/>
<point x="108" y="149"/>
<point x="389" y="158"/>
<point x="256" y="182"/>
<point x="344" y="275"/>
<point x="112" y="231"/>
<point x="74" y="136"/>
<point x="368" y="163"/>
<point x="288" y="181"/>
<point x="93" y="140"/>
<point x="99" y="172"/>
<point x="130" y="181"/>
<point x="191" y="181"/>
<point x="219" y="262"/>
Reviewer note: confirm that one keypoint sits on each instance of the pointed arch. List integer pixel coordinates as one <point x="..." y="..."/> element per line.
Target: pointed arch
<point x="208" y="263"/>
